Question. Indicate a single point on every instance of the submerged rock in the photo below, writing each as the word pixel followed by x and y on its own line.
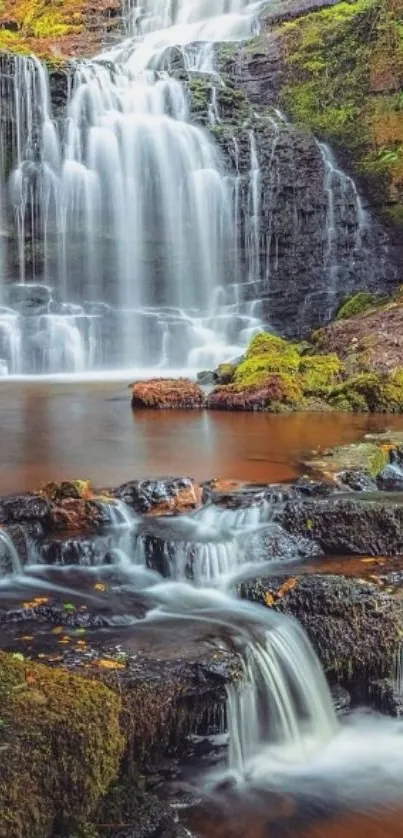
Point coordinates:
pixel 365 457
pixel 354 626
pixel 167 393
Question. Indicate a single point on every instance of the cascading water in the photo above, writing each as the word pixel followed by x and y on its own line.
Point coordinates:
pixel 133 206
pixel 337 183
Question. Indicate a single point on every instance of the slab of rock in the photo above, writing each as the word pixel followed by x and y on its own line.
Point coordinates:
pixel 365 457
pixel 354 625
pixel 356 524
pixel 167 393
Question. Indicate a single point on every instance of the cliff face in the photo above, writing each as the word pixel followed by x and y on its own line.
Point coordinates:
pixel 338 71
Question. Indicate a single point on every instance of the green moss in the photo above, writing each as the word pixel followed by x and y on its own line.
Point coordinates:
pixel 319 372
pixel 60 743
pixel 343 77
pixel 226 373
pixel 369 392
pixel 357 304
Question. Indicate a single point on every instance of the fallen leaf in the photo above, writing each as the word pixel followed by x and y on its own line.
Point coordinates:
pixel 100 587
pixel 58 630
pixel 27 637
pixel 309 524
pixel 30 678
pixel 268 599
pixel 68 606
pixel 368 561
pixel 109 664
pixel 80 631
pixel 288 586
pixel 17 656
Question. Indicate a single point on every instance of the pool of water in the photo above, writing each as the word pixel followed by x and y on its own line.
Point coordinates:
pixel 53 431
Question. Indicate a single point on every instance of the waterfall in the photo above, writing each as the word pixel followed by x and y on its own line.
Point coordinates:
pixel 133 207
pixel 339 186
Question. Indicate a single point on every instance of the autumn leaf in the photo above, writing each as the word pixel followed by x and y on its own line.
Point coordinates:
pixel 288 586
pixel 30 678
pixel 80 631
pixel 17 656
pixel 68 606
pixel 58 630
pixel 268 599
pixel 368 561
pixel 309 524
pixel 27 637
pixel 100 587
pixel 103 663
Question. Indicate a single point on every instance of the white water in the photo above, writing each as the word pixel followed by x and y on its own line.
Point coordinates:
pixel 337 183
pixel 134 207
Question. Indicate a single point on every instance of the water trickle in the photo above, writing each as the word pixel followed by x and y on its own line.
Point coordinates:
pixel 10 561
pixel 339 187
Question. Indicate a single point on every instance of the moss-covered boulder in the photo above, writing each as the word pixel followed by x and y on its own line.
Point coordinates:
pixel 60 743
pixel 277 375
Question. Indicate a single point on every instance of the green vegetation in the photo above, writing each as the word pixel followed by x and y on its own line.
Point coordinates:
pixel 60 743
pixel 357 304
pixel 343 79
pixel 278 376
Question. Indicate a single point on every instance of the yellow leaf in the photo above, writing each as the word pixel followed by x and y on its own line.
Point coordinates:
pixel 27 637
pixel 309 524
pixel 58 630
pixel 268 599
pixel 288 586
pixel 110 664
pixel 99 587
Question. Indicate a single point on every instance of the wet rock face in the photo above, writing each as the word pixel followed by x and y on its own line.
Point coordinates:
pixel 160 497
pixel 353 625
pixel 166 393
pixel 343 525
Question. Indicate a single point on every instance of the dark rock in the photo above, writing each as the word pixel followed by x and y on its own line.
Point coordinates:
pixel 275 543
pixel 160 496
pixel 364 524
pixel 358 481
pixel 354 626
pixel 386 696
pixel 29 298
pixel 16 509
pixel 206 377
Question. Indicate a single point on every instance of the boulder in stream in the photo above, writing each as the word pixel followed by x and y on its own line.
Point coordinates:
pixel 167 393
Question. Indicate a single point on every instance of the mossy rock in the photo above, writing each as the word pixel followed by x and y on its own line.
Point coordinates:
pixel 319 372
pixel 61 746
pixel 357 304
pixel 343 75
pixel 369 392
pixel 365 457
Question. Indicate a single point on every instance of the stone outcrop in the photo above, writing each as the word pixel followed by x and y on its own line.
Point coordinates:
pixel 354 626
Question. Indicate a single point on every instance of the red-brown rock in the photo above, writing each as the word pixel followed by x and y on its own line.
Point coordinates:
pixel 168 393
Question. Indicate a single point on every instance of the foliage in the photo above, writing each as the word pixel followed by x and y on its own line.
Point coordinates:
pixel 357 304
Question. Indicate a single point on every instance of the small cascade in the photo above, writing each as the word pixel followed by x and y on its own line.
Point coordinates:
pixel 344 212
pixel 283 702
pixel 10 562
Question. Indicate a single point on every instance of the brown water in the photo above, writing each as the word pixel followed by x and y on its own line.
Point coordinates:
pixel 61 431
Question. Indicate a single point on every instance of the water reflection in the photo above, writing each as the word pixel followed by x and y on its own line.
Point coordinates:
pixel 56 431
